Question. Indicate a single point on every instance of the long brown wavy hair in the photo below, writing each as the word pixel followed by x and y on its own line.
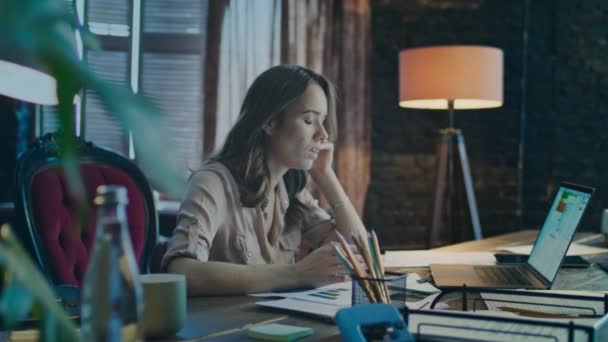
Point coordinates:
pixel 245 151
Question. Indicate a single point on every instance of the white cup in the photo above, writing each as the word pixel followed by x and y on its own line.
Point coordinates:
pixel 165 308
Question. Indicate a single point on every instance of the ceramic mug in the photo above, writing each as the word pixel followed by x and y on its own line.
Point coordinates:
pixel 165 308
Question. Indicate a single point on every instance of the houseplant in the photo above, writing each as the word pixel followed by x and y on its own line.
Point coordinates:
pixel 42 32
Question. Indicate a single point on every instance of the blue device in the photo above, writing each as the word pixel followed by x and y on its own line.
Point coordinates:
pixel 352 322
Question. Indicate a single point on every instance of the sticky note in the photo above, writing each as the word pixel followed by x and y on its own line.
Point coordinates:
pixel 279 332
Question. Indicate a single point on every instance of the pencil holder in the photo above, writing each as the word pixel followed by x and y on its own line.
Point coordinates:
pixel 373 290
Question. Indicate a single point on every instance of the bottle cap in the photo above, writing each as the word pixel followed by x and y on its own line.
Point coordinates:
pixel 111 194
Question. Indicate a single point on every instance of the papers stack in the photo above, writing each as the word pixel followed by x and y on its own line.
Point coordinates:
pixel 327 300
pixel 425 258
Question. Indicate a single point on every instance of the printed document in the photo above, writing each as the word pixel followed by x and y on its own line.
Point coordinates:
pixel 328 299
pixel 425 258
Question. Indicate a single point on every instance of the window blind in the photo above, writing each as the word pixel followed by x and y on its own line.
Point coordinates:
pixel 175 16
pixel 170 70
pixel 174 82
pixel 109 17
pixel 99 126
pixel 49 119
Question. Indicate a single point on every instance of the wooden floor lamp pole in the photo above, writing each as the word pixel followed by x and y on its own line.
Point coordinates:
pixel 451 150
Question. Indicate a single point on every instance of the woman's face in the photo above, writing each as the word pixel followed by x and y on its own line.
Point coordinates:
pixel 294 143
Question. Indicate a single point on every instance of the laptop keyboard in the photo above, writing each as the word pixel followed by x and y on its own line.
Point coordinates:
pixel 501 275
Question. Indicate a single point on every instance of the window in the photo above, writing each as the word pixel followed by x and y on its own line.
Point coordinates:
pixel 156 47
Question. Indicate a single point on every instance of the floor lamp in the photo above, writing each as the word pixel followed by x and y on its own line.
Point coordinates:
pixel 451 77
pixel 27 84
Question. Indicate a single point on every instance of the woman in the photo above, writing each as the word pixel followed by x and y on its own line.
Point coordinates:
pixel 246 212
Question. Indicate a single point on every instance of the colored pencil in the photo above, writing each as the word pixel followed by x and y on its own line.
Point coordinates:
pixel 378 256
pixel 342 257
pixel 377 283
pixel 359 274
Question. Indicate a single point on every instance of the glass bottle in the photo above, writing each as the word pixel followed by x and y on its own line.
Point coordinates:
pixel 112 306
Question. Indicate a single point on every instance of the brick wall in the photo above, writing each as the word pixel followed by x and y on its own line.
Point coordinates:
pixel 567 118
pixel 563 118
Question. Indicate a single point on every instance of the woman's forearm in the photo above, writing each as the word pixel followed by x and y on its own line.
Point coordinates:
pixel 347 220
pixel 222 278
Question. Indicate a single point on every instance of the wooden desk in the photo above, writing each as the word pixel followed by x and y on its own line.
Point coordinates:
pixel 207 315
pixel 516 238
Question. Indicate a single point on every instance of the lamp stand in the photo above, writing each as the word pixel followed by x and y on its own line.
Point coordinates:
pixel 451 152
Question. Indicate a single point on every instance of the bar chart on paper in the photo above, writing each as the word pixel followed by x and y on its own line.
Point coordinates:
pixel 338 294
pixel 332 295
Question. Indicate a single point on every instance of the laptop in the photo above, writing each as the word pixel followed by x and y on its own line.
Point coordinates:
pixel 549 250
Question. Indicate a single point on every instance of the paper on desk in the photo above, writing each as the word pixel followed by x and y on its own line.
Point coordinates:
pixel 422 258
pixel 413 285
pixel 340 294
pixel 458 327
pixel 426 304
pixel 291 304
pixel 546 304
pixel 329 310
pixel 575 249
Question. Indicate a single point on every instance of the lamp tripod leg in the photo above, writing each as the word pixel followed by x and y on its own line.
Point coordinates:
pixel 445 185
pixel 468 186
pixel 441 153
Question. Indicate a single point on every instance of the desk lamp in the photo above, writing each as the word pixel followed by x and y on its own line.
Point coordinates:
pixel 451 77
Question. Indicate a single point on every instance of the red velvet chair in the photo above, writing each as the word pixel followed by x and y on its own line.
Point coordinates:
pixel 48 221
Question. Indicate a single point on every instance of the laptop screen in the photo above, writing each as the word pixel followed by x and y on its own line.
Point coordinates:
pixel 556 234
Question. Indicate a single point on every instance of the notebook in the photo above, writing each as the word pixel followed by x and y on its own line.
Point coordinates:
pixel 550 247
pixel 279 332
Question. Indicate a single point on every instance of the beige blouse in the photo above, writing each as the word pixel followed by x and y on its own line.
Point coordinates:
pixel 213 225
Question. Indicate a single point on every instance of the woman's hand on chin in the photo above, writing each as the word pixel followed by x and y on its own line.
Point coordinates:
pixel 323 164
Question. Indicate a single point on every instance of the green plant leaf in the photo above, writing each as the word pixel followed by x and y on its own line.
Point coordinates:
pixel 42 33
pixel 18 264
pixel 14 299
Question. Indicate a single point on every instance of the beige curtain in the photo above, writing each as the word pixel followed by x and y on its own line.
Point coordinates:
pixel 332 37
pixel 249 44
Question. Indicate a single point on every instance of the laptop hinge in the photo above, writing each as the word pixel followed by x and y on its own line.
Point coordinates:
pixel 538 275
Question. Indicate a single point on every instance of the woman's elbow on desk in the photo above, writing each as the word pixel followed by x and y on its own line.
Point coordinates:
pixel 207 278
pixel 222 278
pixel 185 266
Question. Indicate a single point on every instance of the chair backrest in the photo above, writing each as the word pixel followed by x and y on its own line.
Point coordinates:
pixel 49 223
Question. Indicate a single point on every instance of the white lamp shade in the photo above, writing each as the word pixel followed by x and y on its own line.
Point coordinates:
pixel 471 76
pixel 27 84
